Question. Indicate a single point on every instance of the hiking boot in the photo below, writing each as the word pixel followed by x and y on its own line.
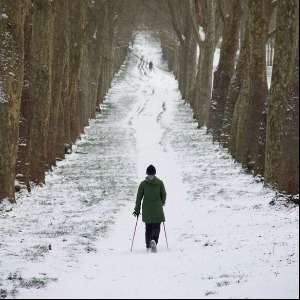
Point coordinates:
pixel 153 246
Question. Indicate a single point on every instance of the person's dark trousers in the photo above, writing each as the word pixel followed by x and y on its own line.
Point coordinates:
pixel 152 233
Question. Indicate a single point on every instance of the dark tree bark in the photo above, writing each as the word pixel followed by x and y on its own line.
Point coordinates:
pixel 289 172
pixel 286 46
pixel 77 23
pixel 205 66
pixel 42 33
pixel 225 69
pixel 12 17
pixel 229 139
pixel 249 116
pixel 25 122
pixel 183 48
pixel 55 149
pixel 286 40
pixel 60 90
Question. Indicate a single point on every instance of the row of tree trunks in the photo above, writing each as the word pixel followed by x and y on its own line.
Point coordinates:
pixel 193 74
pixel 176 21
pixel 60 58
pixel 191 68
pixel 169 50
pixel 260 127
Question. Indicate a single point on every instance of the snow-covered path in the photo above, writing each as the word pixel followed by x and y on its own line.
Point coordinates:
pixel 225 240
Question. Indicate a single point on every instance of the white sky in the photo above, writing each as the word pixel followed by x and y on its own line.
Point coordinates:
pixel 225 240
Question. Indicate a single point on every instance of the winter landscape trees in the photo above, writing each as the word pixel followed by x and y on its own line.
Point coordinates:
pixel 237 107
pixel 57 60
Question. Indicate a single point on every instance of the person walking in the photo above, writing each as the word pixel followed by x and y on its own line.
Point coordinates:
pixel 151 196
pixel 150 65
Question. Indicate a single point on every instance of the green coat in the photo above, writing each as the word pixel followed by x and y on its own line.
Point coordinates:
pixel 153 194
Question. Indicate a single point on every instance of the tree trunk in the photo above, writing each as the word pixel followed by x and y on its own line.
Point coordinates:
pixel 59 63
pixel 76 50
pixel 25 122
pixel 183 48
pixel 191 68
pixel 42 40
pixel 248 133
pixel 259 86
pixel 12 17
pixel 225 69
pixel 289 173
pixel 205 68
pixel 229 124
pixel 286 42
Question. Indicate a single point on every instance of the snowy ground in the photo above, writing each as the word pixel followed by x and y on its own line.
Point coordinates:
pixel 72 238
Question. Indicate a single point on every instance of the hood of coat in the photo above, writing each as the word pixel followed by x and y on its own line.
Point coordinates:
pixel 152 180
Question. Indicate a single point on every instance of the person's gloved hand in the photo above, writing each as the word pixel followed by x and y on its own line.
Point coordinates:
pixel 136 214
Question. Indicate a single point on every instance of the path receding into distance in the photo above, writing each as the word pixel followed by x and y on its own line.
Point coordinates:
pixel 225 240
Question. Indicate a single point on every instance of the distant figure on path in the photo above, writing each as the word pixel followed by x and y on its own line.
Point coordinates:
pixel 150 65
pixel 152 194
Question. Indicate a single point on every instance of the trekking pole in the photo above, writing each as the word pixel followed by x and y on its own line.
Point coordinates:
pixel 134 232
pixel 166 236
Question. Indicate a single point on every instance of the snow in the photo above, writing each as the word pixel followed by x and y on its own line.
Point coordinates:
pixel 269 75
pixel 2 95
pixel 202 33
pixel 3 16
pixel 225 240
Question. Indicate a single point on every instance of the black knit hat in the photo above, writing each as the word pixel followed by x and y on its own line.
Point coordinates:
pixel 151 170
